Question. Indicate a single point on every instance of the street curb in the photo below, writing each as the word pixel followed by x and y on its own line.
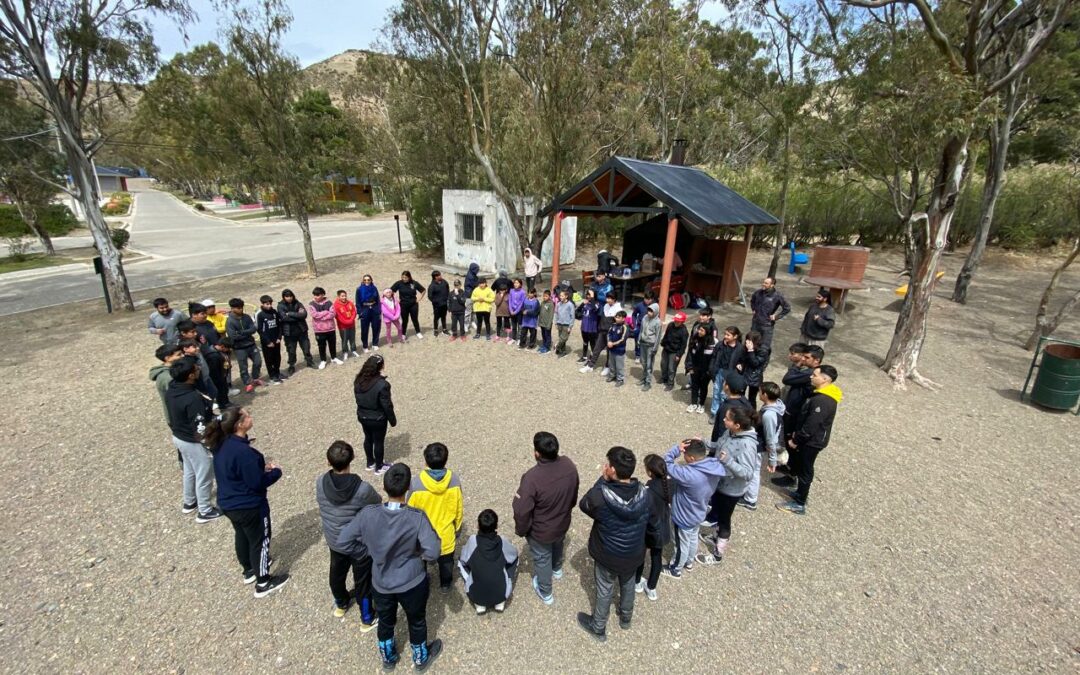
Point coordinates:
pixel 43 271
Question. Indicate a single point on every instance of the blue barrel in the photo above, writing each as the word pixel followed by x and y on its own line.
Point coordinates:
pixel 1057 385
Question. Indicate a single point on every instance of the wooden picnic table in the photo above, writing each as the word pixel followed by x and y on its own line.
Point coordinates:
pixel 625 281
pixel 834 284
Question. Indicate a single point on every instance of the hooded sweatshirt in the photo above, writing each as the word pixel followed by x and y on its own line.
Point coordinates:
pixel 695 484
pixel 564 313
pixel 623 515
pixel 242 330
pixel 373 402
pixel 532 264
pixel 437 492
pixel 771 431
pixel 516 300
pixel 502 283
pixel 482 297
pixel 322 316
pixel 817 322
pixel 485 563
pixel 675 338
pixel 649 334
pixel 457 301
pixel 241 475
pixel 438 292
pixel 740 463
pixel 340 497
pixel 161 378
pixel 344 313
pixel 546 317
pixel 471 279
pixel 293 317
pixel 530 310
pixel 816 420
pixel 188 411
pixel 391 311
pixel 398 538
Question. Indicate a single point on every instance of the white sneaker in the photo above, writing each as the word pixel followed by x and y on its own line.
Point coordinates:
pixel 605 372
pixel 375 347
pixel 355 355
pixel 691 408
pixel 338 361
pixel 368 351
pixel 650 593
pixel 639 587
pixel 344 356
pixel 322 364
pixel 700 409
pixel 500 607
pixel 420 336
pixel 585 369
pixel 480 609
pixel 234 392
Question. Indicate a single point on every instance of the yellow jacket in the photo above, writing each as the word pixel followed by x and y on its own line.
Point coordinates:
pixel 441 500
pixel 218 319
pixel 482 299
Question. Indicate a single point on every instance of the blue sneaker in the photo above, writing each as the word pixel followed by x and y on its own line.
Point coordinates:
pixel 556 574
pixel 542 350
pixel 546 599
pixel 793 507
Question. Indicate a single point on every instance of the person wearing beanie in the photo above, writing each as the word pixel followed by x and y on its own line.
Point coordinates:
pixel 438 293
pixel 819 320
pixel 674 344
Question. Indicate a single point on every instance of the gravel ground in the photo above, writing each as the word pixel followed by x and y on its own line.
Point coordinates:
pixel 932 542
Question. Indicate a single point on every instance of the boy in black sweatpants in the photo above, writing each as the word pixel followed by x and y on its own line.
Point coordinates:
pixel 268 323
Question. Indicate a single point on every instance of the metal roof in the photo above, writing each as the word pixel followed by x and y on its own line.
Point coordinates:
pixel 623 185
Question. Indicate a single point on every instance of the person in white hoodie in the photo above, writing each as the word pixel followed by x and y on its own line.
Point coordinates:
pixel 770 439
pixel 533 265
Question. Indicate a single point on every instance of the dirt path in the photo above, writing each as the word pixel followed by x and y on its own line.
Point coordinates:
pixel 942 533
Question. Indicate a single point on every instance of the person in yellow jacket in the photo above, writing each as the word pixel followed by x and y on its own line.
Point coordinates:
pixel 437 492
pixel 214 317
pixel 482 298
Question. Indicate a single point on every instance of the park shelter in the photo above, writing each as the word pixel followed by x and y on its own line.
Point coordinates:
pixel 683 209
pixel 477 228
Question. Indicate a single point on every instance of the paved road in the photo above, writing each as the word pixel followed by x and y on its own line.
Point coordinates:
pixel 187 246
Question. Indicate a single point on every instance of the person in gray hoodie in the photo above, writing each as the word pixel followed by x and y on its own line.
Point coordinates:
pixel 695 482
pixel 649 341
pixel 770 439
pixel 399 540
pixel 737 451
pixel 161 377
pixel 341 495
pixel 564 321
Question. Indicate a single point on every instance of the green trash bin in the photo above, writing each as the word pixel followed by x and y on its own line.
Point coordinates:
pixel 1057 385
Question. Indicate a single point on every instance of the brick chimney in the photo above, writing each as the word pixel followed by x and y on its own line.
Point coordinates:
pixel 678 151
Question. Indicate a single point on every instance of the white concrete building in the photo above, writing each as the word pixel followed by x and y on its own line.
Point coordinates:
pixel 477 228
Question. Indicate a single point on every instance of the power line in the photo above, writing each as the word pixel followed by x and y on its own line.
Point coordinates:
pixel 30 135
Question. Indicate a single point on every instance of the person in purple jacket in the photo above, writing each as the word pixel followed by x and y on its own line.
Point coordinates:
pixel 589 313
pixel 695 482
pixel 324 322
pixel 530 313
pixel 517 306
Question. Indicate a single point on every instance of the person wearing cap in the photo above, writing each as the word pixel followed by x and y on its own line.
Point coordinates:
pixel 674 344
pixel 438 293
pixel 819 320
pixel 218 320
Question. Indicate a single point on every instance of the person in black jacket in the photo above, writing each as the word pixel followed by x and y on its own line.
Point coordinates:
pixel 459 303
pixel 797 387
pixel 728 352
pixel 409 293
pixel 241 328
pixel 624 515
pixel 769 306
pixel 294 329
pixel 341 495
pixel 438 293
pixel 674 345
pixel 189 413
pixel 268 325
pixel 812 436
pixel 752 362
pixel 661 490
pixel 374 410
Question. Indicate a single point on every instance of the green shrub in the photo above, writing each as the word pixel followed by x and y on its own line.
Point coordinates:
pixel 367 210
pixel 17 248
pixel 199 207
pixel 119 238
pixel 425 223
pixel 56 219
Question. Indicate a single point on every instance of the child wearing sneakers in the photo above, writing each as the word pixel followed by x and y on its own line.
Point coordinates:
pixel 530 313
pixel 770 439
pixel 616 346
pixel 695 482
pixel 391 314
pixel 737 451
pixel 458 328
pixel 345 317
pixel 399 540
pixel 660 491
pixel 324 322
pixel 545 320
pixel 341 495
pixel 564 319
pixel 488 564
pixel 697 367
pixel 482 298
pixel 437 492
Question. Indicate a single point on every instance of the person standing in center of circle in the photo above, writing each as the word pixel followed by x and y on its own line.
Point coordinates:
pixel 409 293
pixel 374 410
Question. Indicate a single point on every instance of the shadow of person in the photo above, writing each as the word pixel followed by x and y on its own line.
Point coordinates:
pixel 396 448
pixel 582 563
pixel 293 537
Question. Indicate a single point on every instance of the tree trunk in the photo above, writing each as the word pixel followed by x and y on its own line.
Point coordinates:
pixel 1045 325
pixel 778 243
pixel 305 228
pixel 901 363
pixel 29 216
pixel 1000 135
pixel 536 242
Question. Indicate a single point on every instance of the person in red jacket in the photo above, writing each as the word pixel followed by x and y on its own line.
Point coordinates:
pixel 345 315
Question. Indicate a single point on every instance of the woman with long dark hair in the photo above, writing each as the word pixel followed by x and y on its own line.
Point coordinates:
pixel 367 305
pixel 374 410
pixel 243 476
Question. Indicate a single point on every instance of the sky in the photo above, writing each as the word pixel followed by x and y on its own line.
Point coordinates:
pixel 320 28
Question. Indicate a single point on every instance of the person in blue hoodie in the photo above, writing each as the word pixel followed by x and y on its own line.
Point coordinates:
pixel 695 482
pixel 472 280
pixel 370 311
pixel 530 313
pixel 243 476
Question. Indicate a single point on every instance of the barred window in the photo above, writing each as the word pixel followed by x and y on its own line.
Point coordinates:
pixel 471 226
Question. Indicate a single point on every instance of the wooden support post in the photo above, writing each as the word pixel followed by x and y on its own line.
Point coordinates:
pixel 669 263
pixel 556 244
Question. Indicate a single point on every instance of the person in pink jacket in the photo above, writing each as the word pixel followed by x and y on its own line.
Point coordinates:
pixel 324 321
pixel 391 314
